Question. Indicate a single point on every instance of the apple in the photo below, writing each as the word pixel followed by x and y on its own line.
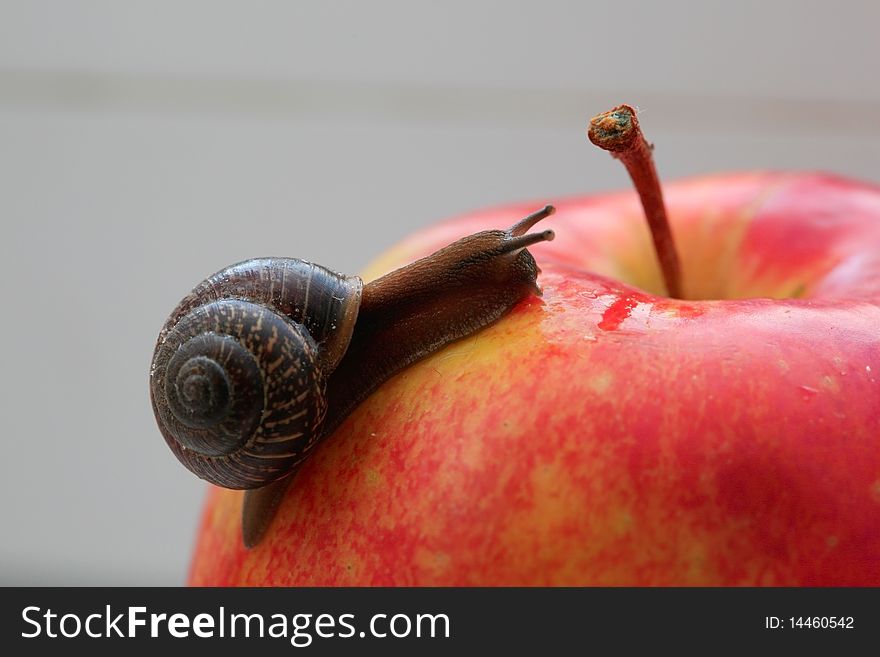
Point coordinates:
pixel 607 434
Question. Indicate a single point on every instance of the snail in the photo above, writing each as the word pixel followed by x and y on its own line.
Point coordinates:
pixel 265 358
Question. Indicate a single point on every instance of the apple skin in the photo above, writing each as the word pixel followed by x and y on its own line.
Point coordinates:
pixel 605 435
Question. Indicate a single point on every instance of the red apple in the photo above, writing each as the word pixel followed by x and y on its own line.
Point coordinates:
pixel 604 434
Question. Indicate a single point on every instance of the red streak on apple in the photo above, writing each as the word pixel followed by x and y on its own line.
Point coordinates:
pixel 617 312
pixel 602 434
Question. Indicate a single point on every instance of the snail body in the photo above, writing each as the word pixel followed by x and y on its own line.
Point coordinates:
pixel 265 358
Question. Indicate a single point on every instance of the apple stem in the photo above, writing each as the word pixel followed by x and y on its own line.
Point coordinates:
pixel 618 132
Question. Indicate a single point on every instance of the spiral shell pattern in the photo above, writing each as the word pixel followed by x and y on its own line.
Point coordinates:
pixel 239 373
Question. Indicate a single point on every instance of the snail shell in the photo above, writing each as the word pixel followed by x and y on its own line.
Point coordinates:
pixel 239 373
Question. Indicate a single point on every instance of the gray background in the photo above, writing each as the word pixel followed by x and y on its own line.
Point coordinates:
pixel 144 145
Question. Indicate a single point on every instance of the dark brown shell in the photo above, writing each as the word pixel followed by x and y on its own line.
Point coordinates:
pixel 239 372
